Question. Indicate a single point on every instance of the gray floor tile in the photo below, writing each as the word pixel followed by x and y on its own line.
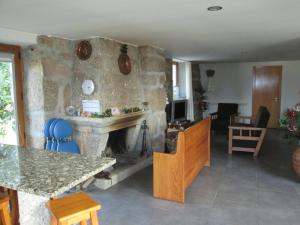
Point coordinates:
pixel 235 190
pixel 233 216
pixel 240 198
pixel 277 200
pixel 271 216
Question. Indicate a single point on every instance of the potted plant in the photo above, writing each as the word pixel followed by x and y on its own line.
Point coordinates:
pixel 291 121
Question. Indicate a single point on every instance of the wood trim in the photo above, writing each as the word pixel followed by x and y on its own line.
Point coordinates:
pixel 258 146
pixel 243 149
pixel 14 205
pixel 248 138
pixel 245 128
pixel 16 51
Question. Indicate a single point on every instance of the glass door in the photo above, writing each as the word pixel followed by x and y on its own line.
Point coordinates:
pixel 12 121
pixel 8 115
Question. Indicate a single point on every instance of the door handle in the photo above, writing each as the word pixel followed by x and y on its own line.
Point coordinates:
pixel 276 99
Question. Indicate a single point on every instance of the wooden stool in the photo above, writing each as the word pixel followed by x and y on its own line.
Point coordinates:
pixel 4 210
pixel 78 207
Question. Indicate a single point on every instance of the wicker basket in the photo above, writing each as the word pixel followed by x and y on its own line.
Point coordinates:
pixel 296 161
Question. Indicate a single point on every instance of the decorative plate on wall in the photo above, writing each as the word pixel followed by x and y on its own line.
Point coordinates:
pixel 88 87
pixel 84 50
pixel 124 61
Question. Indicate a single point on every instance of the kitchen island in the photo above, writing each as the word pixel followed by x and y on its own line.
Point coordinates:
pixel 39 175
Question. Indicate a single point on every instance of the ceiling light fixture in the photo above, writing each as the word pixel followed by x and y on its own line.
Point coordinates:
pixel 215 8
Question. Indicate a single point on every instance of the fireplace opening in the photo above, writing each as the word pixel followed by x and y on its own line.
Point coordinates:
pixel 129 145
pixel 118 147
pixel 116 143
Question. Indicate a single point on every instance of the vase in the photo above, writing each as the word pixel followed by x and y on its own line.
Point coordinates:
pixel 296 161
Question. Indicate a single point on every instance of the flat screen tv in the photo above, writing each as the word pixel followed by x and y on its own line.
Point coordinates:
pixel 179 110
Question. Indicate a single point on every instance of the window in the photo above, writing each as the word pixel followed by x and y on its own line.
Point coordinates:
pixel 175 74
pixel 12 116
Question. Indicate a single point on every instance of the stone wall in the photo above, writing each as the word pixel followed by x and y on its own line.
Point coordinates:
pixel 112 88
pixel 47 83
pixel 197 91
pixel 153 77
pixel 169 79
pixel 54 74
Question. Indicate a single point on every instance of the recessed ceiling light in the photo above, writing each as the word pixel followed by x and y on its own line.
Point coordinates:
pixel 215 8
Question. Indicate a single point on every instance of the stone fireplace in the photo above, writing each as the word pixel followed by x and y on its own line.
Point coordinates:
pixel 114 137
pixel 92 134
pixel 53 75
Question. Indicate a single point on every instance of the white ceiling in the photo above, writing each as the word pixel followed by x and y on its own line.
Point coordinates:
pixel 245 30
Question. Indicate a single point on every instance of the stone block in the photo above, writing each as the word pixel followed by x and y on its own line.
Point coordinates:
pixel 149 80
pixel 67 95
pixel 146 51
pixel 35 141
pixel 50 95
pixel 153 64
pixel 55 67
pixel 105 46
pixel 162 79
pixel 35 123
pixel 46 41
pixel 156 99
pixel 33 93
pixel 35 213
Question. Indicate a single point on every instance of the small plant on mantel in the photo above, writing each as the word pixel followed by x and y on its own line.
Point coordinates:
pixel 108 113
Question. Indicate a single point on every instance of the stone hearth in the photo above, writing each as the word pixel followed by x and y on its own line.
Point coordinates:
pixel 92 135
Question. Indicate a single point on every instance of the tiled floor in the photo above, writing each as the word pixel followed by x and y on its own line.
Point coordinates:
pixel 237 190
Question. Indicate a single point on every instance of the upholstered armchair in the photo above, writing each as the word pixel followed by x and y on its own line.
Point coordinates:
pixel 221 118
pixel 248 137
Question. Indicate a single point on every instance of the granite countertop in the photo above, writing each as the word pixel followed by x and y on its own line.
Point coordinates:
pixel 46 173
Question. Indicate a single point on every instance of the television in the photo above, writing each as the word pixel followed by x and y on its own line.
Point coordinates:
pixel 179 110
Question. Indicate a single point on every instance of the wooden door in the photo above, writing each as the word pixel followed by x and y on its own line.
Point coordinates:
pixel 267 91
pixel 18 78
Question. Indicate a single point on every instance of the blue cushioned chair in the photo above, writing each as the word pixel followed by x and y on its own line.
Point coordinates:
pixel 63 133
pixel 48 142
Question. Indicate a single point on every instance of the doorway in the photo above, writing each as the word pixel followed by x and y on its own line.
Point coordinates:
pixel 267 91
pixel 12 120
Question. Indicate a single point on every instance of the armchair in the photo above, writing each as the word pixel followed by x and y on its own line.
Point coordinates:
pixel 221 119
pixel 248 137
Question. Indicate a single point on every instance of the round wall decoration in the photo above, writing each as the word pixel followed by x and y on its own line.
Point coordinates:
pixel 88 87
pixel 84 50
pixel 124 61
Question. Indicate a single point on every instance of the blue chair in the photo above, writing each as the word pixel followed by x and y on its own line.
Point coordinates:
pixel 51 134
pixel 63 133
pixel 49 139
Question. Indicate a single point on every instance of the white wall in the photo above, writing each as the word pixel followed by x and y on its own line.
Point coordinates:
pixel 232 82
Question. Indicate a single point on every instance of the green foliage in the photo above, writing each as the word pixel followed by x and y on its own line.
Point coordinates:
pixel 108 113
pixel 123 49
pixel 298 120
pixel 6 104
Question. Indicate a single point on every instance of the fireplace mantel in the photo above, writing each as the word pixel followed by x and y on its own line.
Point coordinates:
pixel 92 133
pixel 106 125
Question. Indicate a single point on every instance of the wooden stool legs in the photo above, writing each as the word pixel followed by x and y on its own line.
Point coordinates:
pixel 4 210
pixel 94 218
